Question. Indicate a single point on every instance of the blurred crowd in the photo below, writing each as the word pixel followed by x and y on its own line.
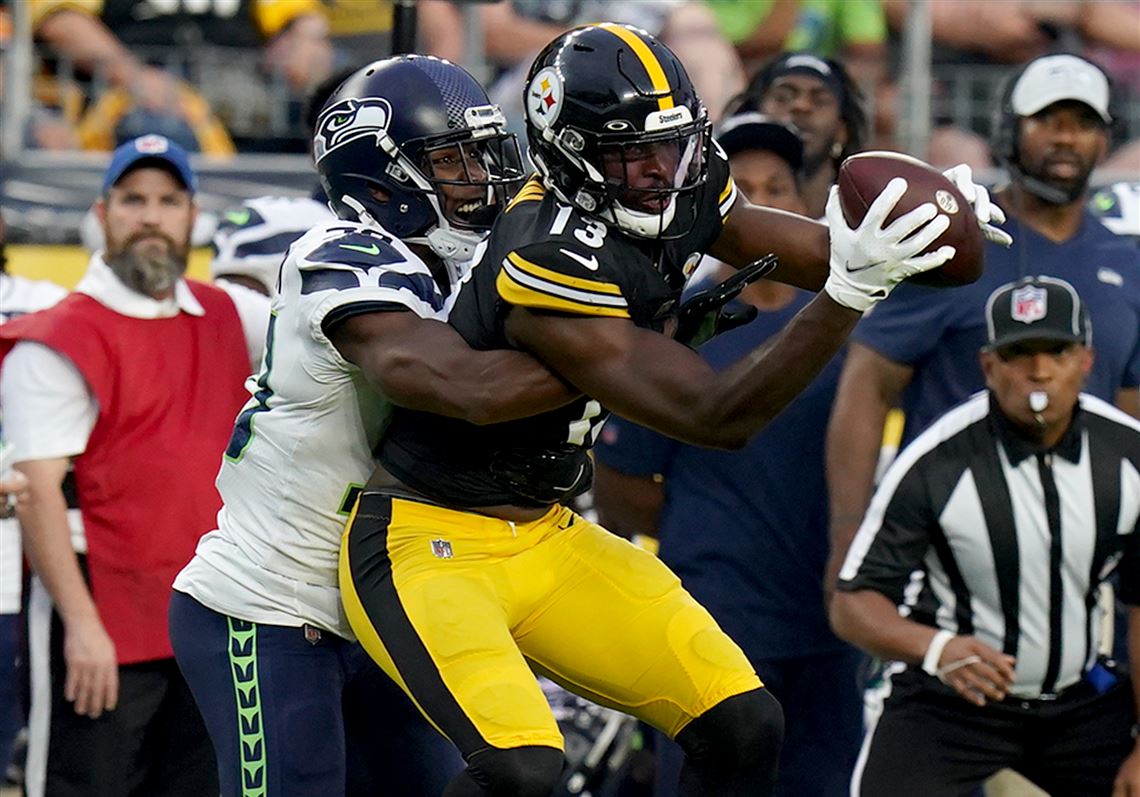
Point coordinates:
pixel 108 70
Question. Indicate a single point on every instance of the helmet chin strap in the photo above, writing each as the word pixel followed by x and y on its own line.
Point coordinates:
pixel 644 225
pixel 454 247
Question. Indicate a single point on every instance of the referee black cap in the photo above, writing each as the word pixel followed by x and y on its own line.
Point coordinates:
pixel 1037 308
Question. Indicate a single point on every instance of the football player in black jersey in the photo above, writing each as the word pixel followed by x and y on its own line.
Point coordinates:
pixel 461 569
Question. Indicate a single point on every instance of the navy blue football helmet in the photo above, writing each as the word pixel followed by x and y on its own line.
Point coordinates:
pixel 413 144
pixel 604 100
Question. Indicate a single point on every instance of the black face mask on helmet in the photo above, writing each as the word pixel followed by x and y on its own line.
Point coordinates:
pixel 616 130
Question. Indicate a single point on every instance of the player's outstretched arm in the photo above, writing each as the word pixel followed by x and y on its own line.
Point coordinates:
pixel 426 365
pixel 654 381
pixel 657 382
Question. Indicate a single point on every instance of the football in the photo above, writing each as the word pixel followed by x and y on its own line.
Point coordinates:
pixel 862 177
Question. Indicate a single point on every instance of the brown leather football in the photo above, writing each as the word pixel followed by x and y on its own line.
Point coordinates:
pixel 862 177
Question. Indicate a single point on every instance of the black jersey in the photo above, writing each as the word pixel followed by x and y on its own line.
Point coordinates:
pixel 545 256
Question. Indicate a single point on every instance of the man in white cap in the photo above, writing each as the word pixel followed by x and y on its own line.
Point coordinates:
pixel 918 350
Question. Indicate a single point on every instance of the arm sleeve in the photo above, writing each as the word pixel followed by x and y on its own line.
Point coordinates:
pixel 893 538
pixel 47 410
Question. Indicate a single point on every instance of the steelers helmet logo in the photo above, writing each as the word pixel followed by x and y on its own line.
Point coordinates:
pixel 544 98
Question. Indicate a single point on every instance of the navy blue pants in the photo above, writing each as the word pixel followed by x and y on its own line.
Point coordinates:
pixel 12 714
pixel 299 712
pixel 823 725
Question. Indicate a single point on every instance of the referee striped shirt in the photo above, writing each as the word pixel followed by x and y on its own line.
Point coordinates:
pixel 974 531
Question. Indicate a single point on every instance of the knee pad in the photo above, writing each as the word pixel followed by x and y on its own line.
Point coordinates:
pixel 748 727
pixel 516 772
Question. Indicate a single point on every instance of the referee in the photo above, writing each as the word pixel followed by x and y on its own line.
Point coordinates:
pixel 993 531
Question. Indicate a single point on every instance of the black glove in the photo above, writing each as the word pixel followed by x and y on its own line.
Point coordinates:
pixel 704 314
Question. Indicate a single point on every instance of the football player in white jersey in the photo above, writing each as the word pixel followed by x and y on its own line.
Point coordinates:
pixel 415 161
pixel 252 239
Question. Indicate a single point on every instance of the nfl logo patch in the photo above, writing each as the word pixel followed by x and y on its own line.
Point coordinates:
pixel 441 549
pixel 1028 304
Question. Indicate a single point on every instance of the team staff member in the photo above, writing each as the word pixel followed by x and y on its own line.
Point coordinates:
pixel 919 348
pixel 581 271
pixel 766 503
pixel 1015 506
pixel 136 377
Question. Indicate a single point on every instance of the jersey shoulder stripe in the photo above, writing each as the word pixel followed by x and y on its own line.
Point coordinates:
pixel 532 191
pixel 527 284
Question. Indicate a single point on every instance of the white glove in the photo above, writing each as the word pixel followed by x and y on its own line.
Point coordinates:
pixel 866 263
pixel 988 214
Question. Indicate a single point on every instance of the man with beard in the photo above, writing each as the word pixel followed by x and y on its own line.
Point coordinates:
pixel 1050 132
pixel 135 378
pixel 820 99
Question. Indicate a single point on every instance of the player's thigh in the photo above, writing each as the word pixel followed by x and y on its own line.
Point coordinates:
pixel 621 630
pixel 270 699
pixel 439 626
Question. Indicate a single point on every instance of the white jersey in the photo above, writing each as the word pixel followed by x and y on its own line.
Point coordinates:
pixel 302 446
pixel 18 296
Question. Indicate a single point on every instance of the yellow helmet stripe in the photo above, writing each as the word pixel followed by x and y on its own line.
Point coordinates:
pixel 648 60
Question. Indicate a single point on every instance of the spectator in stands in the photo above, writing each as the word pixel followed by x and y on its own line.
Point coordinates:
pixel 980 32
pixel 766 503
pixel 136 378
pixel 1014 508
pixel 818 97
pixel 362 32
pixel 1051 129
pixel 18 296
pixel 113 41
pixel 514 32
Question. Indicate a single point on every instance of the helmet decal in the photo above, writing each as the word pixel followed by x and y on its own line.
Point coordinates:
pixel 544 98
pixel 349 120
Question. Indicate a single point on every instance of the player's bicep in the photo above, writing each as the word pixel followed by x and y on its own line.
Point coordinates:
pixel 394 348
pixel 750 232
pixel 637 373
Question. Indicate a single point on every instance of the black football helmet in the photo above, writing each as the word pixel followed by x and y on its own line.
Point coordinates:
pixel 616 130
pixel 399 135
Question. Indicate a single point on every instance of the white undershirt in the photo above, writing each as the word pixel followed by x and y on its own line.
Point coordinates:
pixel 49 411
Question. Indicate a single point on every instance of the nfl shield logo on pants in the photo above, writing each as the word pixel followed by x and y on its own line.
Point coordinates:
pixel 441 549
pixel 1029 304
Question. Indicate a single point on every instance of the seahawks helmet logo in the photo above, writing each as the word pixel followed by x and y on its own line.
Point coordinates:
pixel 349 120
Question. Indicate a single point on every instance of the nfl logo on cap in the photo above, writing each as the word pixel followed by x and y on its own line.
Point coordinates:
pixel 1028 304
pixel 152 144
